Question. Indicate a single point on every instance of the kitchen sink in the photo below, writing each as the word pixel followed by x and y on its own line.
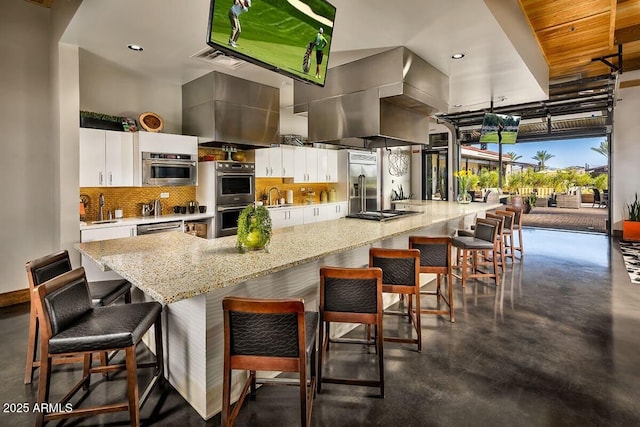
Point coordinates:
pixel 385 215
pixel 105 221
pixel 284 205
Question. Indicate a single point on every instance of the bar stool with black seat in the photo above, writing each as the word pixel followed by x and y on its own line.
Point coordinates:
pixel 435 258
pixel 71 326
pixel 507 233
pixel 517 225
pixel 268 335
pixel 485 239
pixel 47 267
pixel 401 275
pixel 351 295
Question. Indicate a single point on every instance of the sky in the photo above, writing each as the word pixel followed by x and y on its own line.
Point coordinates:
pixel 567 152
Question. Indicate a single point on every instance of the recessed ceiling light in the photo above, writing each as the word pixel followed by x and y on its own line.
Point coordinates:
pixel 457 55
pixel 135 47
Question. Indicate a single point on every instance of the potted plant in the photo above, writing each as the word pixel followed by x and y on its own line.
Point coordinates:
pixel 89 119
pixel 254 228
pixel 631 226
pixel 529 202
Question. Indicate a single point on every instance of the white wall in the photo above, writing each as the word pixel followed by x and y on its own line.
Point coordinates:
pixel 108 88
pixel 625 174
pixel 27 172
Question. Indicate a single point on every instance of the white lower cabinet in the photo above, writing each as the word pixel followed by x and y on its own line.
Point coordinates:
pixel 316 213
pixel 337 210
pixel 285 217
pixel 94 274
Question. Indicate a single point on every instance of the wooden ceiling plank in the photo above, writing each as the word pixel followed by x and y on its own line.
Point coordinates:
pixel 612 22
pixel 545 14
pixel 627 14
pixel 627 34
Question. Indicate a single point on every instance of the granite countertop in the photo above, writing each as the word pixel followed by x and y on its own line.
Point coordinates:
pixel 89 225
pixel 170 267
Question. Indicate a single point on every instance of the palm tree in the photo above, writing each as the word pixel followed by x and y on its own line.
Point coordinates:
pixel 542 157
pixel 514 156
pixel 603 149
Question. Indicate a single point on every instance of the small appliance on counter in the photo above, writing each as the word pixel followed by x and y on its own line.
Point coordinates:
pixel 289 197
pixel 152 208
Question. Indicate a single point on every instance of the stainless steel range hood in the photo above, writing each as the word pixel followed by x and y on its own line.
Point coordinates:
pixel 381 100
pixel 222 109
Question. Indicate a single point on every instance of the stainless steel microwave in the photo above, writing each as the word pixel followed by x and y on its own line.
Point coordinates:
pixel 166 169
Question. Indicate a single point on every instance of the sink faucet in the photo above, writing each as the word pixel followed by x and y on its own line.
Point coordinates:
pixel 101 207
pixel 278 191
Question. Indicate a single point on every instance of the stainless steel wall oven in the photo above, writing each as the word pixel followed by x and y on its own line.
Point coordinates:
pixel 228 187
pixel 164 169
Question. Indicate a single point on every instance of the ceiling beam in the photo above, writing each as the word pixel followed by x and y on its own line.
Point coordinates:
pixel 628 34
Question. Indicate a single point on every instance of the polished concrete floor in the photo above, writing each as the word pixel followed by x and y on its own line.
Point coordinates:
pixel 555 345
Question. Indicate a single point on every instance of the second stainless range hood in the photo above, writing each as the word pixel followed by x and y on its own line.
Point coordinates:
pixel 222 109
pixel 381 100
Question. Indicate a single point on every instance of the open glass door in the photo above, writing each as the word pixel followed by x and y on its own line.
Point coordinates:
pixel 434 174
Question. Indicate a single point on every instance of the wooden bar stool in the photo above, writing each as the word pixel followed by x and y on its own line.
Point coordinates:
pixel 501 243
pixel 517 225
pixel 485 239
pixel 435 258
pixel 351 295
pixel 47 267
pixel 268 335
pixel 507 233
pixel 401 275
pixel 71 326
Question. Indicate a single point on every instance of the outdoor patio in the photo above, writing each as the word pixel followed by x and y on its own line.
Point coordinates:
pixel 586 218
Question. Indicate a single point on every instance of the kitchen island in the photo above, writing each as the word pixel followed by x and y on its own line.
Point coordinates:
pixel 191 276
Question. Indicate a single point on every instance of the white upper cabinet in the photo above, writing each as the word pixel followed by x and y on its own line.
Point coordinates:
pixel 264 162
pixel 106 158
pixel 306 165
pixel 327 165
pixel 154 142
pixel 288 161
pixel 274 162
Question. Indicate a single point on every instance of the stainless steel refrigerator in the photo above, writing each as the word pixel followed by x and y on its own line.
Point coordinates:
pixel 363 182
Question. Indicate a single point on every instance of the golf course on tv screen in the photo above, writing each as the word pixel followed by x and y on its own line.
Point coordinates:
pixel 496 126
pixel 276 34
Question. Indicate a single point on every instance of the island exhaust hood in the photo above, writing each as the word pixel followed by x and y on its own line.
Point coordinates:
pixel 381 100
pixel 223 109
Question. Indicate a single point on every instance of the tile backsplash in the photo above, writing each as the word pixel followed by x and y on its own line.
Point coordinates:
pixel 129 199
pixel 299 196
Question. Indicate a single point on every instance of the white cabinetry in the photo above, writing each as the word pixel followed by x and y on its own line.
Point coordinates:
pixel 154 142
pixel 316 213
pixel 92 270
pixel 306 165
pixel 327 165
pixel 337 210
pixel 274 162
pixel 286 217
pixel 106 158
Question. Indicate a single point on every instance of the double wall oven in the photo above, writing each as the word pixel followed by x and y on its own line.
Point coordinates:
pixel 233 185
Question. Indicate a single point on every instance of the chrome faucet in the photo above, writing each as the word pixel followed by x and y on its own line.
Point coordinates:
pixel 279 195
pixel 101 207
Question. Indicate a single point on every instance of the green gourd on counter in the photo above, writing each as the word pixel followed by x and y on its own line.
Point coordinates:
pixel 254 228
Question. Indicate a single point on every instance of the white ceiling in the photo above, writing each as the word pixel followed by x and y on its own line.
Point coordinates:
pixel 503 61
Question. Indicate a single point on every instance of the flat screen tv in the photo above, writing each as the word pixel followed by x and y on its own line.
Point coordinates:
pixel 499 128
pixel 275 34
